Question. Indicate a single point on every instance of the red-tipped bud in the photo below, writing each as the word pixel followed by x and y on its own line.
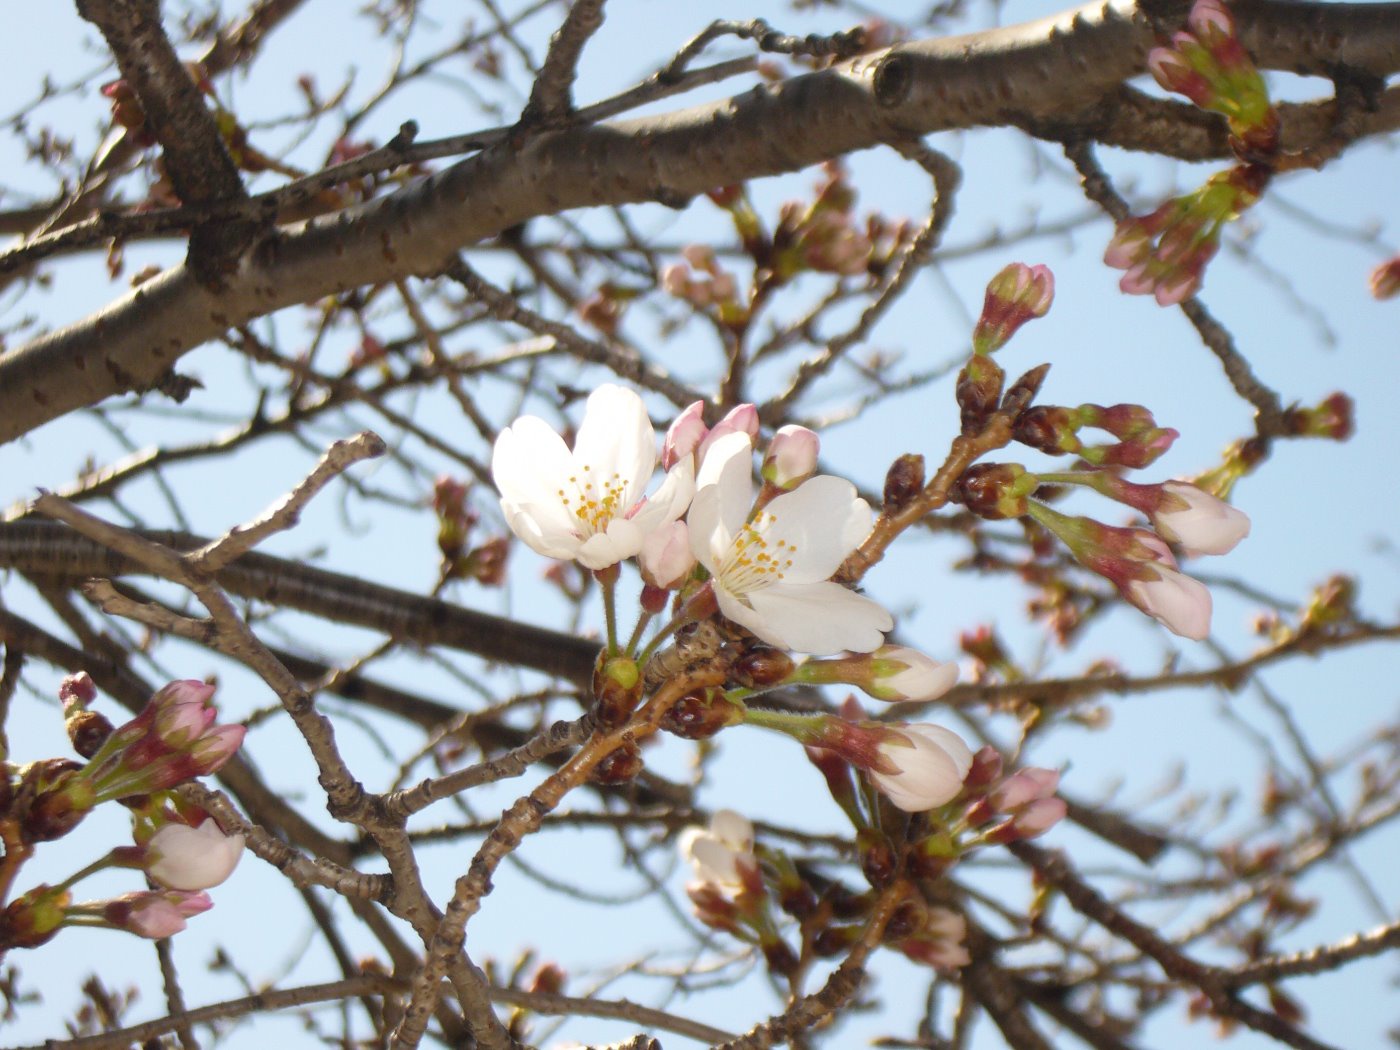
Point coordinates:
pixel 1016 295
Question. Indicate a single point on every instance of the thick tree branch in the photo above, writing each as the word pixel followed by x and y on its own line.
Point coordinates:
pixel 1034 72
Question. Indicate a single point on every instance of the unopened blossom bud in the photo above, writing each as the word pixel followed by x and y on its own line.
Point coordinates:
pixel 675 278
pixel 877 859
pixel 929 763
pixel 619 765
pixel 87 730
pixel 995 490
pixel 985 769
pixel 699 716
pixel 1023 787
pixel 937 940
pixel 1333 418
pixel 1014 296
pixel 684 435
pixel 617 687
pixel 1197 521
pixel 892 673
pixel 1385 279
pixel 180 857
pixel 1181 513
pixel 34 917
pixel 762 668
pixel 791 457
pixel 77 690
pixel 1139 564
pixel 1048 428
pixel 978 391
pixel 741 419
pixel 903 481
pixel 151 914
pixel 1039 816
pixel 666 558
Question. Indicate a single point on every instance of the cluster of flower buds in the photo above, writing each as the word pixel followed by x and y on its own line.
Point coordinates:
pixel 822 235
pixel 929 935
pixel 171 740
pixel 485 563
pixel 1165 252
pixel 1055 430
pixel 1385 279
pixel 1207 63
pixel 702 282
pixel 1021 806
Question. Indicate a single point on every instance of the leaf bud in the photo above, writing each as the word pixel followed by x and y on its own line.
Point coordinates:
pixel 903 481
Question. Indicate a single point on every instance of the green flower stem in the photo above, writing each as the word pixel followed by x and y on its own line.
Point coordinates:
pixel 805 729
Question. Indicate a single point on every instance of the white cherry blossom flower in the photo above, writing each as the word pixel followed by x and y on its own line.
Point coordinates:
pixel 773 574
pixel 721 854
pixel 588 504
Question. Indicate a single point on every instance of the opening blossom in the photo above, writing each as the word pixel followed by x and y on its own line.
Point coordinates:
pixel 588 504
pixel 772 574
pixel 180 857
pixel 930 765
pixel 722 854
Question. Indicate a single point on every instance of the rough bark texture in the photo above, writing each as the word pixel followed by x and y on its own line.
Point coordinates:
pixel 1063 73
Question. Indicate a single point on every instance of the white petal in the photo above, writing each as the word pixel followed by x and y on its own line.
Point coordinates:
pixel 621 540
pixel 728 466
pixel 552 544
pixel 930 773
pixel 529 464
pixel 708 538
pixel 1178 602
pixel 818 518
pixel 616 437
pixel 670 500
pixel 819 618
pixel 733 829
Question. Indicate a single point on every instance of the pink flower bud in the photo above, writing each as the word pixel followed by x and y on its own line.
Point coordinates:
pixel 1039 817
pixel 180 857
pixel 182 711
pixel 1023 787
pixel 1014 296
pixel 741 419
pixel 1385 279
pixel 1179 603
pixel 154 914
pixel 675 278
pixel 929 765
pixel 700 256
pixel 685 435
pixel 791 457
pixel 1197 521
pixel 666 558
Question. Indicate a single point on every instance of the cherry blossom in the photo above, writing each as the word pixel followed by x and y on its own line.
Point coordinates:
pixel 722 854
pixel 929 762
pixel 588 504
pixel 180 857
pixel 772 574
